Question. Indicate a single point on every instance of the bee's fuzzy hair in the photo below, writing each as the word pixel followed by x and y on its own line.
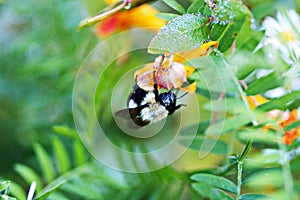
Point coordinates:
pixel 154 113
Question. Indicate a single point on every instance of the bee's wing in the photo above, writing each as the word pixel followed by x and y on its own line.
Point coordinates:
pixel 133 116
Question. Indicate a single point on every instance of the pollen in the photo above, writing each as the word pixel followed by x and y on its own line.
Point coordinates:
pixel 288 36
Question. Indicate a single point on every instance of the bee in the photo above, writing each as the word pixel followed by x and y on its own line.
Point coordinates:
pixel 147 107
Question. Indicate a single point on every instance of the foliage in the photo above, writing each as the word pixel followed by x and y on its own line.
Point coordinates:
pixel 254 130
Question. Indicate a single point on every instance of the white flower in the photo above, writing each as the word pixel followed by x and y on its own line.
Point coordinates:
pixel 283 34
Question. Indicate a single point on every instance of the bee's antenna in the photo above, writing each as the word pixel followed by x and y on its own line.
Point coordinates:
pixel 182 95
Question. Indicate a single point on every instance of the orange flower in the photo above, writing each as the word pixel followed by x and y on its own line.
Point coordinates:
pixel 290 136
pixel 142 16
pixel 284 118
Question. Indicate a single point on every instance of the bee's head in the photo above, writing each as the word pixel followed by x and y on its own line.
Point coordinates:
pixel 168 100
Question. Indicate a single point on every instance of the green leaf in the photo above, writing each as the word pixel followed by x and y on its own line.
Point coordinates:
pixel 254 197
pixel 293 125
pixel 220 147
pixel 17 191
pixel 201 126
pixel 166 16
pixel 243 63
pixel 234 122
pixel 65 131
pixel 195 6
pixel 227 105
pixel 212 75
pixel 263 8
pixel 61 155
pixel 183 33
pixel 281 102
pixel 4 187
pixel 247 41
pixel 230 17
pixel 82 191
pixel 45 162
pixel 263 179
pixel 215 181
pixel 48 190
pixel 259 136
pixel 176 6
pixel 265 83
pixel 209 192
pixel 79 153
pixel 29 175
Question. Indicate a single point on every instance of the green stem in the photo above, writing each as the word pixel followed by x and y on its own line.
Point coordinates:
pixel 287 175
pixel 240 168
pixel 239 179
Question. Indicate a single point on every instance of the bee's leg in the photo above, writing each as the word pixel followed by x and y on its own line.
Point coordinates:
pixel 179 106
pixel 155 87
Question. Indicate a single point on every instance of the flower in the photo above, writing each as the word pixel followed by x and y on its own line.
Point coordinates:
pixel 284 118
pixel 168 74
pixel 142 16
pixel 169 70
pixel 283 34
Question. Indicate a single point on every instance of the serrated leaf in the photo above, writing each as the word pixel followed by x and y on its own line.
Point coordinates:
pixel 220 147
pixel 176 6
pixel 281 102
pixel 209 192
pixel 215 181
pixel 232 15
pixel 183 33
pixel 166 16
pixel 254 197
pixel 29 175
pixel 195 6
pixel 61 155
pixel 265 83
pixel 48 190
pixel 44 162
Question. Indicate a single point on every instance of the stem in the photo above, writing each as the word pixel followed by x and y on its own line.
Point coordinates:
pixel 287 176
pixel 91 20
pixel 239 179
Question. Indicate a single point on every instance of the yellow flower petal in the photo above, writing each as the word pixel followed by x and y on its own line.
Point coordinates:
pixel 189 70
pixel 256 100
pixel 197 52
pixel 191 88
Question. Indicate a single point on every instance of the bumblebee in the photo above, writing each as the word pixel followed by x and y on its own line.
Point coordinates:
pixel 147 107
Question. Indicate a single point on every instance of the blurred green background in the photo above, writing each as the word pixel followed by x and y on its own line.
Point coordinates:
pixel 40 52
